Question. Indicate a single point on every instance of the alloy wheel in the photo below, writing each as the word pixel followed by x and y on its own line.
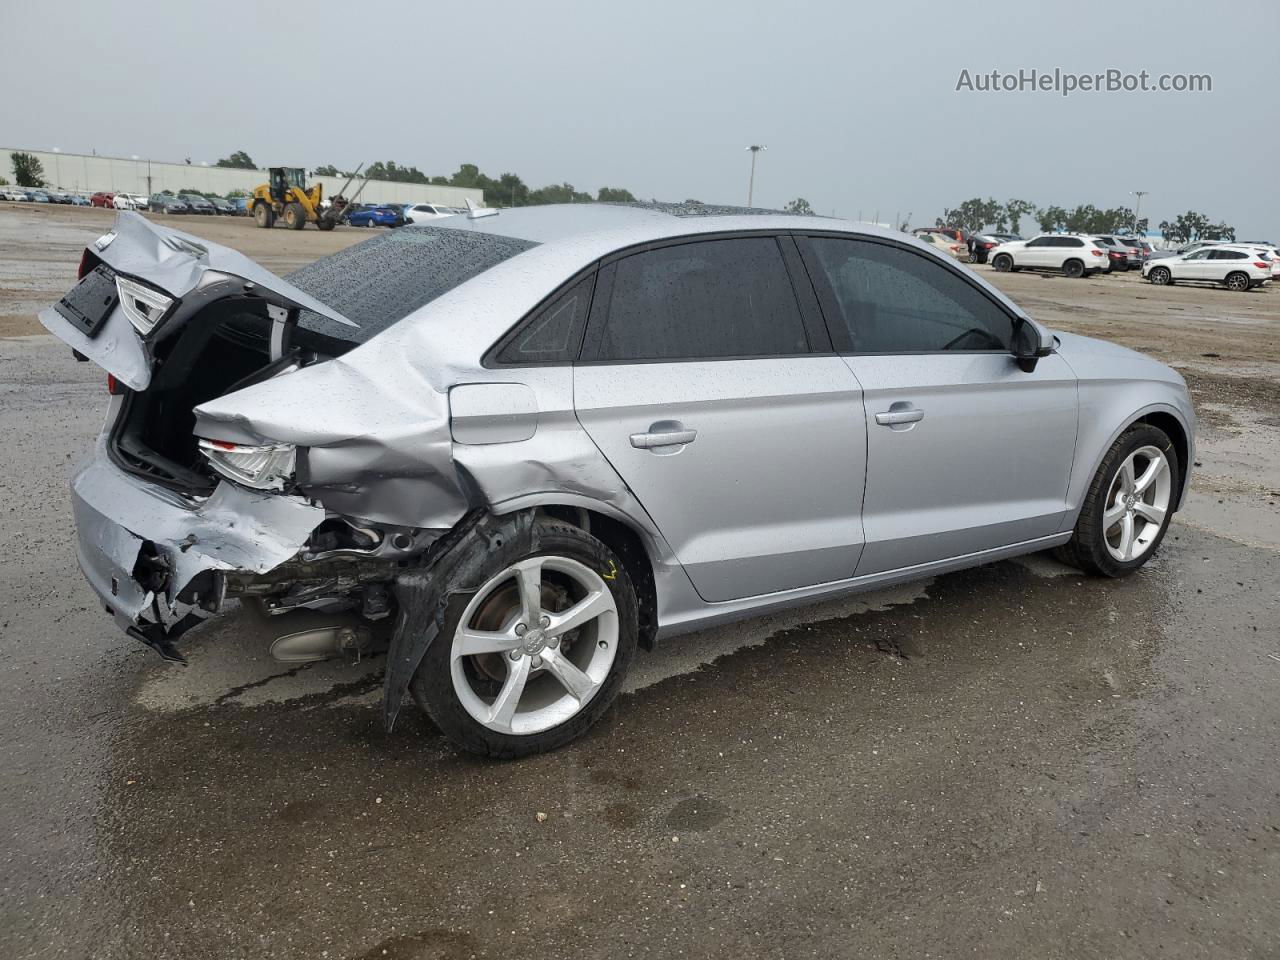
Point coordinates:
pixel 1137 503
pixel 534 645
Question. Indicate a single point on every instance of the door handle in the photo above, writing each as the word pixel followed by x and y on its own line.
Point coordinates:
pixel 664 433
pixel 891 417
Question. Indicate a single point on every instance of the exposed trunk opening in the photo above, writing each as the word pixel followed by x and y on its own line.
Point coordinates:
pixel 224 347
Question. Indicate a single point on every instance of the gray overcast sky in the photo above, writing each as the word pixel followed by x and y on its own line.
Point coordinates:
pixel 856 103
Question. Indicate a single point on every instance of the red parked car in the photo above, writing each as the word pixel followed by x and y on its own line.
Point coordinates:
pixel 103 200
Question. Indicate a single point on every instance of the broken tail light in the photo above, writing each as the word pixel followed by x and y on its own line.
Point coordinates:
pixel 265 467
pixel 143 306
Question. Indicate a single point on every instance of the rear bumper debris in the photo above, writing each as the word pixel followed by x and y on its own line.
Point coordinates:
pixel 158 560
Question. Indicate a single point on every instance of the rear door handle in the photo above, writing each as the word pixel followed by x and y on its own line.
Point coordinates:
pixel 664 433
pixel 891 417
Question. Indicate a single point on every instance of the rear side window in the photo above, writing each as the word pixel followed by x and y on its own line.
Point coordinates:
pixel 1227 255
pixel 704 300
pixel 554 333
pixel 883 299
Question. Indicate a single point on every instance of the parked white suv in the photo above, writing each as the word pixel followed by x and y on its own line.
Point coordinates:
pixel 1073 255
pixel 1236 267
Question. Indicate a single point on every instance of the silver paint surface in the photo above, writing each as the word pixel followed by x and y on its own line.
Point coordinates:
pixel 380 444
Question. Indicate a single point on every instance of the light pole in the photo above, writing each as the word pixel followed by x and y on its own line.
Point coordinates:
pixel 1137 208
pixel 751 183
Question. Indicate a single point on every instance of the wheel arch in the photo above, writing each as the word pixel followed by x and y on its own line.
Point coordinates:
pixel 1166 417
pixel 635 545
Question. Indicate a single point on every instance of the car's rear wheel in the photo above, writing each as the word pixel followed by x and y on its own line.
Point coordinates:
pixel 535 656
pixel 1238 281
pixel 1003 262
pixel 1073 269
pixel 1128 506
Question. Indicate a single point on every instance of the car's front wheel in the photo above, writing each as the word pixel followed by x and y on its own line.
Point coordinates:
pixel 1128 506
pixel 1160 276
pixel 1003 262
pixel 535 656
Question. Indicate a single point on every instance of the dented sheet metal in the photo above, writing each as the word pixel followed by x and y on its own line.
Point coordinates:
pixel 186 268
pixel 233 529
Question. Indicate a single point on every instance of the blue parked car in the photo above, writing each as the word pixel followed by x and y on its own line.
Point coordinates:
pixel 377 216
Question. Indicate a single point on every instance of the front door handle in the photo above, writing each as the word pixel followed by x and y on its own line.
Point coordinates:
pixel 664 433
pixel 897 415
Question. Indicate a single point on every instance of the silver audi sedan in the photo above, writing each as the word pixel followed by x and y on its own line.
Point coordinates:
pixel 530 441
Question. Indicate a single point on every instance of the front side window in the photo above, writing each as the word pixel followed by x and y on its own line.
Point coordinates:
pixel 1039 242
pixel 884 299
pixel 711 299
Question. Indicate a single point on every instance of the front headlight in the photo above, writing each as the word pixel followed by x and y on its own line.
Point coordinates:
pixel 267 467
pixel 143 306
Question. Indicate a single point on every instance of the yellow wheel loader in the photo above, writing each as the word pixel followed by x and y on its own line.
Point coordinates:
pixel 286 197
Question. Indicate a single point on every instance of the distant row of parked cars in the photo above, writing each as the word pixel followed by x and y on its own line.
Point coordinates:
pixel 25 195
pixel 398 214
pixel 179 203
pixel 1237 266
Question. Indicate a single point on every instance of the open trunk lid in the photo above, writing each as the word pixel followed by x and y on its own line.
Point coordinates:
pixel 184 269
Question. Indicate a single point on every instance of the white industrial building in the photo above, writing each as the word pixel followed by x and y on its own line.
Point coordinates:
pixel 85 174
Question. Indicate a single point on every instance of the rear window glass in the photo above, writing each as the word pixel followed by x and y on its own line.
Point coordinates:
pixel 380 281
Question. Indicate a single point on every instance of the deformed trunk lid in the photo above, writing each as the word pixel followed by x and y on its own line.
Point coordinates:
pixel 180 265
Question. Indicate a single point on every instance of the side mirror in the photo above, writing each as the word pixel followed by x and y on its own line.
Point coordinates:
pixel 1030 344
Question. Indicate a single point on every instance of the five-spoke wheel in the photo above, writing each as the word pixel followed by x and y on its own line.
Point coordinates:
pixel 538 651
pixel 1128 505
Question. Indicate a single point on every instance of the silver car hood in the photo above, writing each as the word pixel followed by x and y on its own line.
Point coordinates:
pixel 179 264
pixel 1110 361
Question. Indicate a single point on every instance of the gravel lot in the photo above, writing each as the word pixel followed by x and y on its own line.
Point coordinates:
pixel 1013 761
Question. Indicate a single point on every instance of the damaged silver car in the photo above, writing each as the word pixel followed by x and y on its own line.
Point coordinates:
pixel 536 440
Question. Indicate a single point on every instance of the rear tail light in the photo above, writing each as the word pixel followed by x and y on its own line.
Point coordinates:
pixel 1262 264
pixel 1096 253
pixel 266 467
pixel 143 306
pixel 113 385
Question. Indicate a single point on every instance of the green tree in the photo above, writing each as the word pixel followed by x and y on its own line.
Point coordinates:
pixel 1190 226
pixel 972 215
pixel 232 194
pixel 1014 211
pixel 1051 218
pixel 1218 231
pixel 388 170
pixel 27 169
pixel 799 205
pixel 558 193
pixel 238 160
pixel 329 170
pixel 614 195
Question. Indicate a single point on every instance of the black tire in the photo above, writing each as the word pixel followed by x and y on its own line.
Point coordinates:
pixel 324 223
pixel 1160 276
pixel 1087 548
pixel 1073 269
pixel 1238 281
pixel 432 685
pixel 1003 262
pixel 295 218
pixel 264 215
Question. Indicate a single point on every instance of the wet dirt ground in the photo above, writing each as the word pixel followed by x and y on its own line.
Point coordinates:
pixel 1014 761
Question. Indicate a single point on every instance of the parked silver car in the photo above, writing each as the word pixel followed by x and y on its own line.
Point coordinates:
pixel 541 438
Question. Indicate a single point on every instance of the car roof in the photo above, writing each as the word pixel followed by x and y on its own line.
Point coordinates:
pixel 601 228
